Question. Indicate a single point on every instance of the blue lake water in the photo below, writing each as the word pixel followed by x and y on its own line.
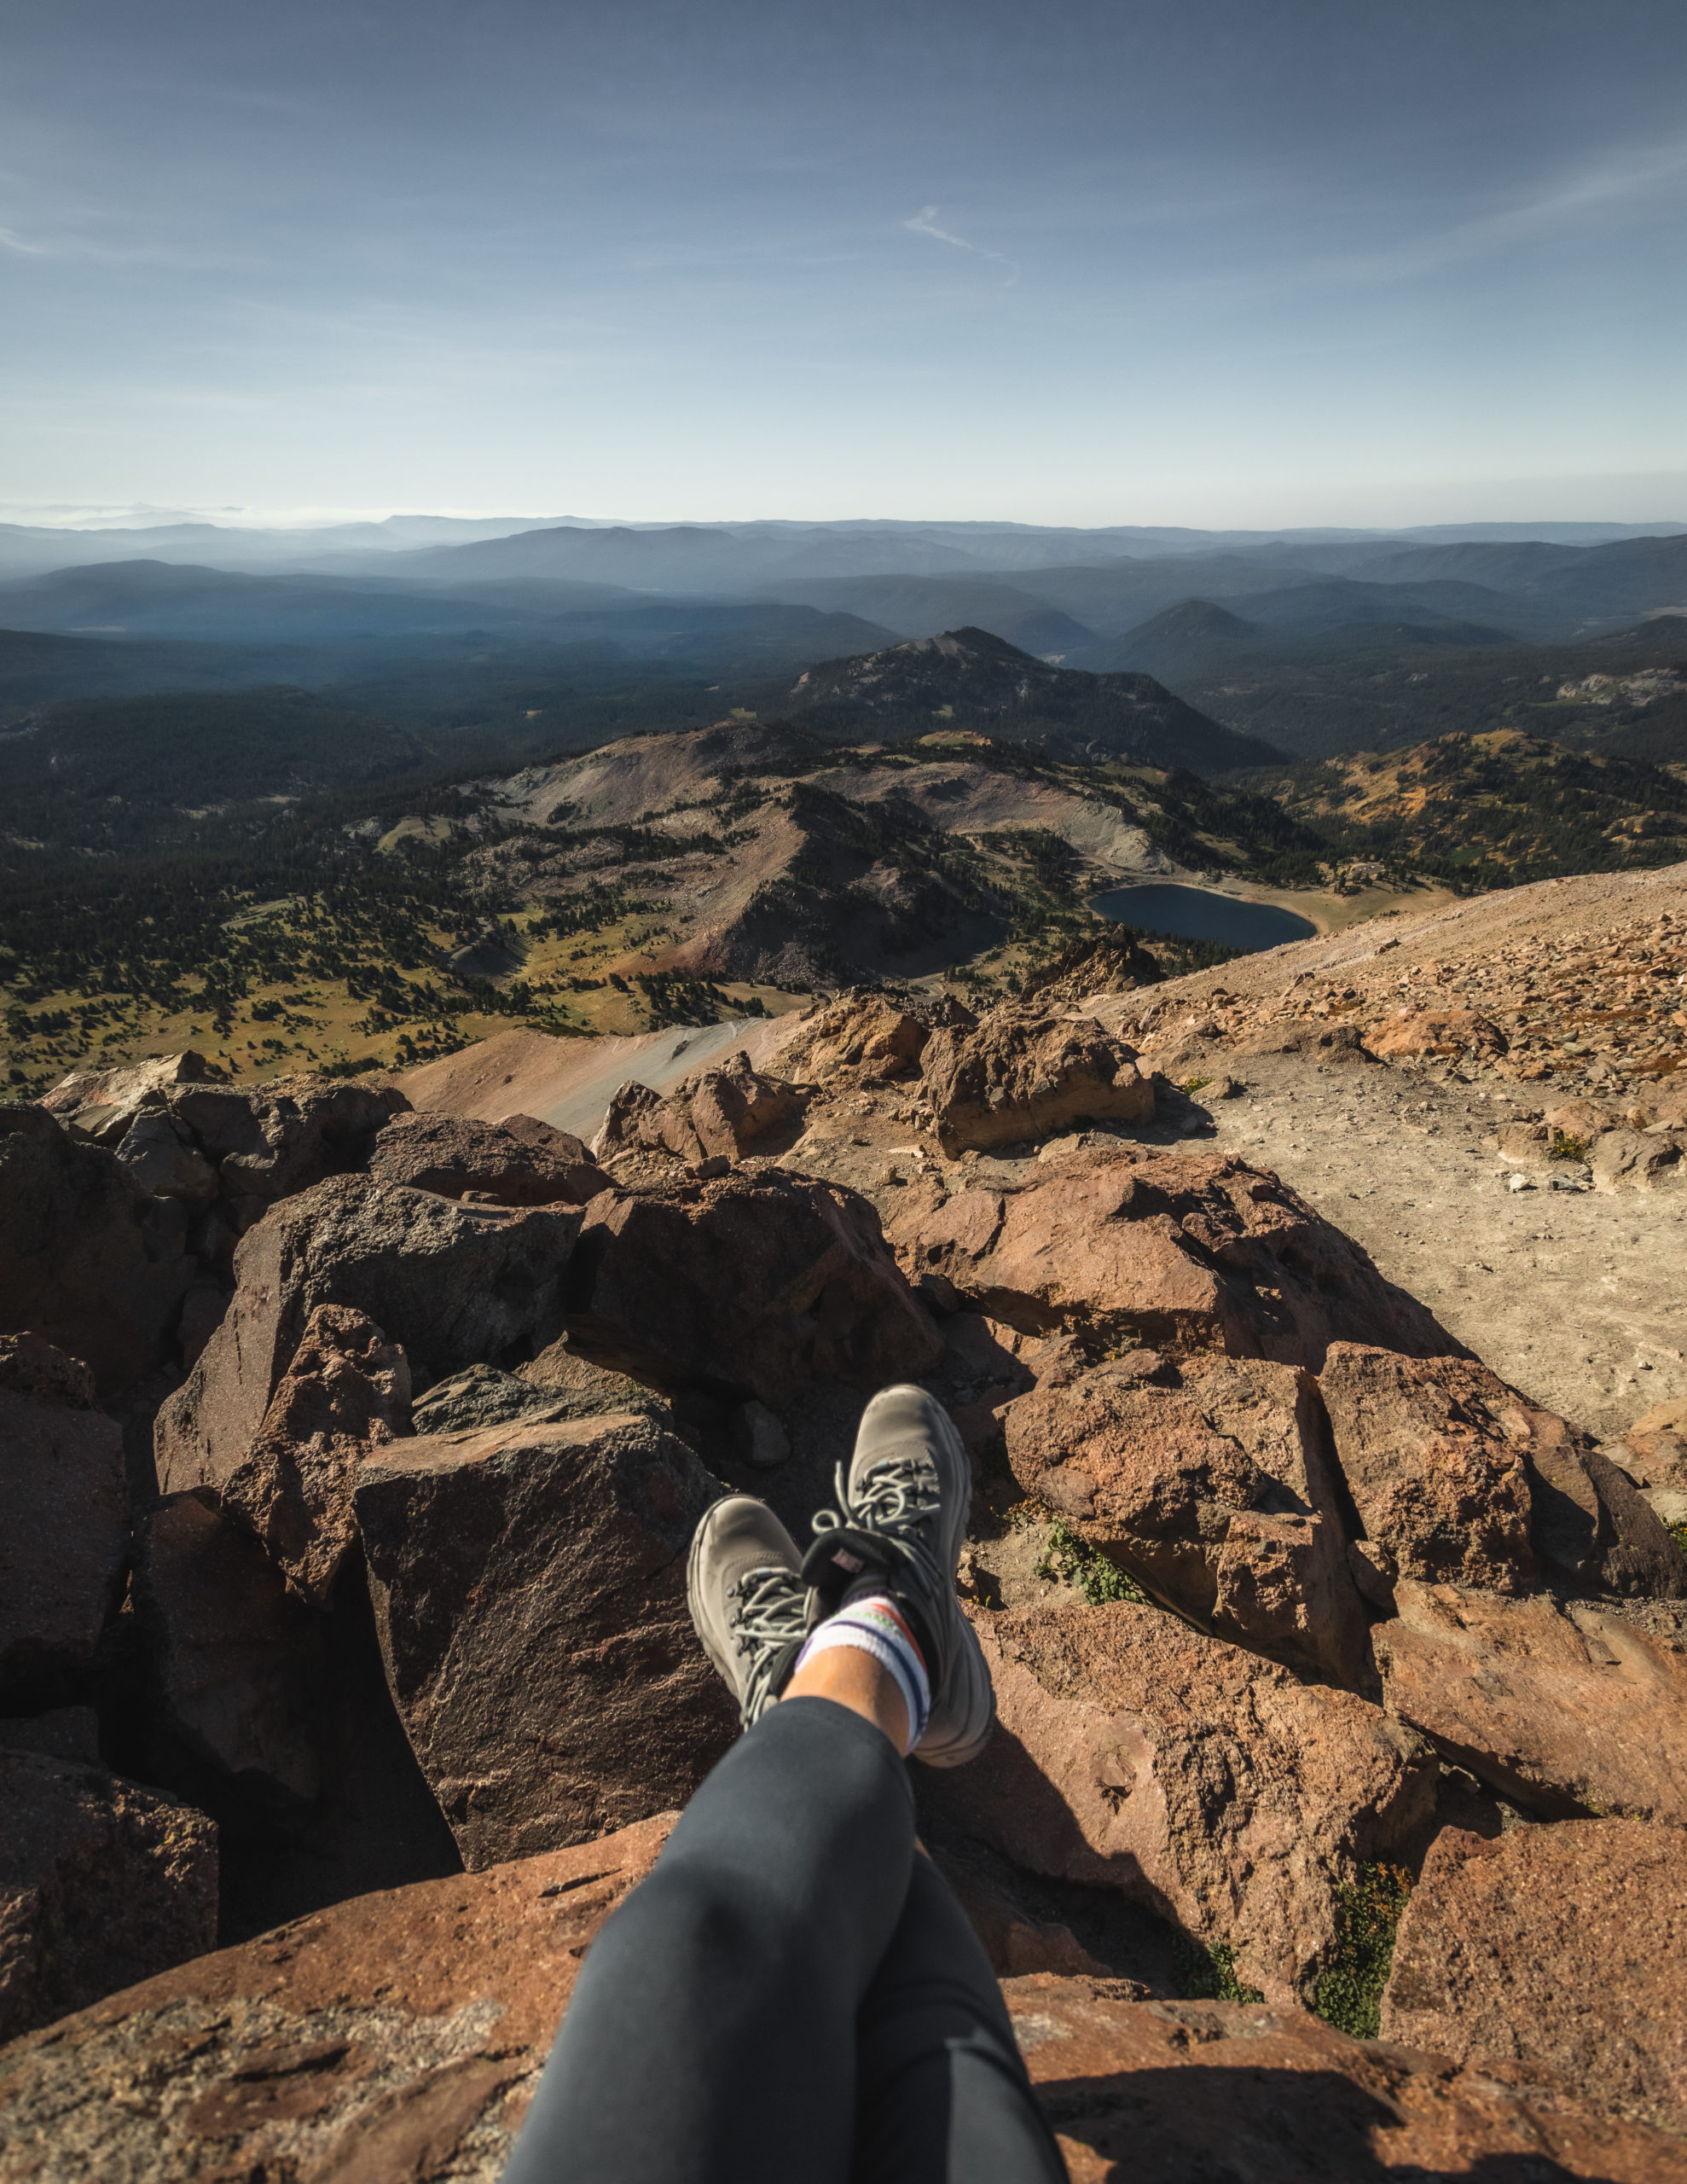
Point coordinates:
pixel 1196 914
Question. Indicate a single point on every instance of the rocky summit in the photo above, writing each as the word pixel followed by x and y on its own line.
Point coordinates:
pixel 353 1432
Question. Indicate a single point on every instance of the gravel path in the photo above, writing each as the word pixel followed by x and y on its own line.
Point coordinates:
pixel 1578 1297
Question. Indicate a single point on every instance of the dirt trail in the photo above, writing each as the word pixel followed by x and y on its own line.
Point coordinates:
pixel 1578 1297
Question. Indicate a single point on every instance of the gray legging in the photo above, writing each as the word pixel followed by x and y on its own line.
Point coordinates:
pixel 793 1996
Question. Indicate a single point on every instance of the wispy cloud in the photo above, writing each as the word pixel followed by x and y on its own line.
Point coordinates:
pixel 1652 170
pixel 924 223
pixel 11 239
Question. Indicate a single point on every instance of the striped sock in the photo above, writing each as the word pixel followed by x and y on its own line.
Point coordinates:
pixel 872 1621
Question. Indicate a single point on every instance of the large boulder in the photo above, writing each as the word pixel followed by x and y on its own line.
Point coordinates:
pixel 1134 1753
pixel 400 2036
pixel 1208 1483
pixel 88 1258
pixel 873 1037
pixel 392 2038
pixel 755 1285
pixel 1568 1710
pixel 269 1141
pixel 101 1105
pixel 102 1883
pixel 231 1659
pixel 1239 2092
pixel 722 1114
pixel 1425 1034
pixel 1564 1946
pixel 1434 1451
pixel 1595 1526
pixel 1027 1072
pixel 516 1162
pixel 345 1393
pixel 529 1585
pixel 451 1285
pixel 64 1542
pixel 1127 1249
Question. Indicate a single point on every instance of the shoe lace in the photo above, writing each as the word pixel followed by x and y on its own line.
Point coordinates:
pixel 893 1502
pixel 769 1611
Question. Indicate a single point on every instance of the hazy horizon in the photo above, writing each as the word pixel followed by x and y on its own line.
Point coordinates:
pixel 1196 263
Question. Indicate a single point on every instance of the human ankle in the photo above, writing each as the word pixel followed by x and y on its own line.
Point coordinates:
pixel 855 1681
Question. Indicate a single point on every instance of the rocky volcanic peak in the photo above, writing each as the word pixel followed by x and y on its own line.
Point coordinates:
pixel 975 680
pixel 1298 1613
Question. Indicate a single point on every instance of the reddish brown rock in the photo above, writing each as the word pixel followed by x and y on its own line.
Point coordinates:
pixel 754 1286
pixel 1167 1251
pixel 88 1259
pixel 345 1393
pixel 529 1584
pixel 724 1113
pixel 230 1656
pixel 1209 1484
pixel 1562 1946
pixel 1434 1451
pixel 1655 1448
pixel 1135 1753
pixel 517 1162
pixel 1027 1071
pixel 1592 1524
pixel 1567 1710
pixel 64 1541
pixel 1167 2093
pixel 101 1883
pixel 452 1284
pixel 870 1036
pixel 397 2036
pixel 1441 1032
pixel 400 2036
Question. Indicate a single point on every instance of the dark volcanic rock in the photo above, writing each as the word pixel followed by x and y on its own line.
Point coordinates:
pixel 1434 1451
pixel 346 1391
pixel 520 1162
pixel 452 1284
pixel 1134 1753
pixel 271 1141
pixel 1567 1710
pixel 554 1385
pixel 230 1655
pixel 755 1285
pixel 1563 1946
pixel 1210 1486
pixel 529 1584
pixel 64 1542
pixel 88 1258
pixel 390 2039
pixel 101 1883
pixel 1028 1072
pixel 1595 1526
pixel 1129 1249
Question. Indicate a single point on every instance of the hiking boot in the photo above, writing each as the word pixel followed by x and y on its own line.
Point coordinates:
pixel 901 1517
pixel 744 1585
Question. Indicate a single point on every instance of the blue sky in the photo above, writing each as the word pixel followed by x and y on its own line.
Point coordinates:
pixel 1278 262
